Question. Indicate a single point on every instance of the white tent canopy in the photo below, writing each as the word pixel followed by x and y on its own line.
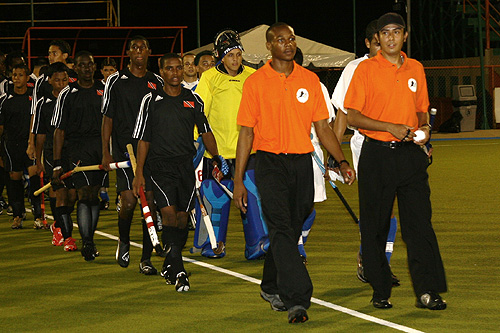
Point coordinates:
pixel 320 55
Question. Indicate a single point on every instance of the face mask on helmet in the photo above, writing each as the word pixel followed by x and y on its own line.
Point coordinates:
pixel 225 41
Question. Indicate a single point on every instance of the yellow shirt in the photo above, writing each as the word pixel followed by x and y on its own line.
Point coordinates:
pixel 221 94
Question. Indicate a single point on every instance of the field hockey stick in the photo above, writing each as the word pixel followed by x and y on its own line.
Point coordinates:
pixel 113 166
pixel 218 248
pixel 218 176
pixel 335 188
pixel 145 207
pixel 42 202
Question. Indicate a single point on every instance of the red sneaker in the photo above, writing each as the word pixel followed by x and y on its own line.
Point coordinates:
pixel 70 244
pixel 57 237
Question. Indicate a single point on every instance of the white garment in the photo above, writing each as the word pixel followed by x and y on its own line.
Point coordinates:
pixel 191 85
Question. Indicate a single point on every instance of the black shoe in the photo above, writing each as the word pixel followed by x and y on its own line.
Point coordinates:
pixel 147 268
pixel 96 253
pixel 381 303
pixel 167 273
pixel 122 253
pixel 395 281
pixel 430 300
pixel 297 314
pixel 104 205
pixel 273 299
pixel 182 282
pixel 88 251
pixel 360 271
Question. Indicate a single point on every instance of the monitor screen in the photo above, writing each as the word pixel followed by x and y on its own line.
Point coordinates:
pixel 467 91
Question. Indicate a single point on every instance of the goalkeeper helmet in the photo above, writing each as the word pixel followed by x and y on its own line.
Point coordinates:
pixel 226 41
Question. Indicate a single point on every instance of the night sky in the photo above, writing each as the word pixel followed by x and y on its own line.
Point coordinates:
pixel 328 22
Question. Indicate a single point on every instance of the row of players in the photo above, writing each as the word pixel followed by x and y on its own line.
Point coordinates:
pixel 66 125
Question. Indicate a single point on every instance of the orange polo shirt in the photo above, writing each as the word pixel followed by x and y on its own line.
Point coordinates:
pixel 381 91
pixel 281 109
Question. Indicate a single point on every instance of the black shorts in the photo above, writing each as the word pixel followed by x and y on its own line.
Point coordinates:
pixel 15 157
pixel 125 177
pixel 174 183
pixel 87 151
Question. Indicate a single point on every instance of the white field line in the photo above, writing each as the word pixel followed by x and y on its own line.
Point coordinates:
pixel 314 300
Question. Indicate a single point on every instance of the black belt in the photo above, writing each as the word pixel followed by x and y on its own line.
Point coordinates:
pixel 389 144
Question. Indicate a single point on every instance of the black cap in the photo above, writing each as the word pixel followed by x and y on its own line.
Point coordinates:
pixel 390 18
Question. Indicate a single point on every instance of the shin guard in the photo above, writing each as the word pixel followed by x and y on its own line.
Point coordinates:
pixel 391 237
pixel 306 228
pixel 35 199
pixel 84 220
pixel 217 204
pixel 254 226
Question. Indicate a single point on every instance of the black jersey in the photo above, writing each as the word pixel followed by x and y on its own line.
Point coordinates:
pixel 15 116
pixel 122 99
pixel 168 123
pixel 43 118
pixel 78 111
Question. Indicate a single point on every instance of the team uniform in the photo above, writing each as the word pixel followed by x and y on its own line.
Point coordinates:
pixel 191 85
pixel 221 94
pixel 122 100
pixel 280 110
pixel 15 119
pixel 167 123
pixel 382 91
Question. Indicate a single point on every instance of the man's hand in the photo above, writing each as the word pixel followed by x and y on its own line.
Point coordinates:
pixel 107 159
pixel 30 151
pixel 427 132
pixel 138 182
pixel 56 175
pixel 240 196
pixel 401 132
pixel 348 173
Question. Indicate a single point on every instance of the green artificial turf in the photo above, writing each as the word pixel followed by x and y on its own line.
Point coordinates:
pixel 46 289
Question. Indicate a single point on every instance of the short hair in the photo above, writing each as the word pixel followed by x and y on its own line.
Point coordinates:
pixel 137 37
pixel 62 45
pixel 83 54
pixel 109 62
pixel 70 60
pixel 275 25
pixel 299 56
pixel 201 54
pixel 167 56
pixel 14 55
pixel 40 61
pixel 371 30
pixel 22 66
pixel 188 54
pixel 57 67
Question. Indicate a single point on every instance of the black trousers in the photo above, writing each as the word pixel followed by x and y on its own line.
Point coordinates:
pixel 285 184
pixel 385 173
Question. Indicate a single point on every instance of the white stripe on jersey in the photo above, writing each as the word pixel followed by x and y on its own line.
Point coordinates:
pixel 142 117
pixel 202 109
pixel 112 79
pixel 57 113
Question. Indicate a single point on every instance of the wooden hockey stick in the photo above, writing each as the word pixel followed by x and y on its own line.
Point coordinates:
pixel 116 165
pixel 145 207
pixel 218 248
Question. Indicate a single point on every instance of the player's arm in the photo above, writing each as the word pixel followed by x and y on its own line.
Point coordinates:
pixel 106 128
pixel 142 153
pixel 57 150
pixel 339 125
pixel 356 119
pixel 31 150
pixel 243 149
pixel 210 143
pixel 331 144
pixel 40 140
pixel 423 121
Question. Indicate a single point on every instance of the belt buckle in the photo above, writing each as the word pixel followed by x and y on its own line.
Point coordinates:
pixel 393 144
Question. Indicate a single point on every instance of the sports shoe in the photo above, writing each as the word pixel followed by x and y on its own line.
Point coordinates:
pixel 88 251
pixel 122 253
pixel 430 300
pixel 57 237
pixel 70 244
pixel 360 272
pixel 9 210
pixel 94 249
pixel 395 281
pixel 17 223
pixel 104 205
pixel 3 204
pixel 182 282
pixel 297 314
pixel 38 224
pixel 273 299
pixel 167 273
pixel 381 303
pixel 147 268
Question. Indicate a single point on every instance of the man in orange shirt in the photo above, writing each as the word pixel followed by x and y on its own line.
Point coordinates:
pixel 279 103
pixel 388 101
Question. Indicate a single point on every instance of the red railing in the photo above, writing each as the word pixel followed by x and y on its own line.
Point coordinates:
pixel 487 17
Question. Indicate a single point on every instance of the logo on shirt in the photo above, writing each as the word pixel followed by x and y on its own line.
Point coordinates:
pixel 72 80
pixel 188 104
pixel 30 85
pixel 100 92
pixel 151 85
pixel 412 84
pixel 302 95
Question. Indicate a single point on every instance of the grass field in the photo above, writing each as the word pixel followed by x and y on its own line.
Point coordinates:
pixel 44 288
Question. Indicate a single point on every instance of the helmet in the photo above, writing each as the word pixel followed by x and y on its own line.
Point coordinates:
pixel 225 41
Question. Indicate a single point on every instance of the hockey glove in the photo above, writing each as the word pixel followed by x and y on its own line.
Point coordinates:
pixel 222 164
